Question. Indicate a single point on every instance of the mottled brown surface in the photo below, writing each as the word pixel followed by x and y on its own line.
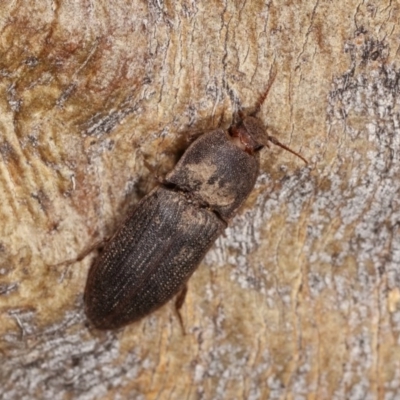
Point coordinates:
pixel 301 297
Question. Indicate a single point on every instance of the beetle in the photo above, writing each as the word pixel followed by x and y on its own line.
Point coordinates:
pixel 155 251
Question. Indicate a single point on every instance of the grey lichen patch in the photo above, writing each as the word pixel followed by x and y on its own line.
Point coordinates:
pixel 76 350
pixel 6 289
pixel 369 205
pixel 358 223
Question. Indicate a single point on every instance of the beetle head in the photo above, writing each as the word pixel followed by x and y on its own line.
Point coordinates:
pixel 248 134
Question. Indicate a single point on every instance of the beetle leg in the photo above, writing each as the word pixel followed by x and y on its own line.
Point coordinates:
pixel 180 299
pixel 98 245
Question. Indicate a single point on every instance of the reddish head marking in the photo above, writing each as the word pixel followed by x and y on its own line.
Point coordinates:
pixel 250 134
pixel 244 140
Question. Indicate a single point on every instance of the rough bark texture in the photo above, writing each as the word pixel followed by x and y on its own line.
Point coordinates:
pixel 301 297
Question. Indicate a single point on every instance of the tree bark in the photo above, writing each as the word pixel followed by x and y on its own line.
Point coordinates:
pixel 300 298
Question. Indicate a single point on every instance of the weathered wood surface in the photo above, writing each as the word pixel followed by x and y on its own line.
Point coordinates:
pixel 301 297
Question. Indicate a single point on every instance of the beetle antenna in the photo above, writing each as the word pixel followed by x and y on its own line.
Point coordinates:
pixel 276 142
pixel 264 95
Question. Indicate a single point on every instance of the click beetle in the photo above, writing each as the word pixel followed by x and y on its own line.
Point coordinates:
pixel 159 246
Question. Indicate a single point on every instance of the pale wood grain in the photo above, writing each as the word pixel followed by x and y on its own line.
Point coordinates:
pixel 301 297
